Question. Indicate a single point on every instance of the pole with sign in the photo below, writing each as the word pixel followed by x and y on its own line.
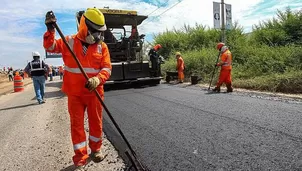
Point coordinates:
pixel 216 13
pixel 228 9
pixel 225 19
pixel 223 22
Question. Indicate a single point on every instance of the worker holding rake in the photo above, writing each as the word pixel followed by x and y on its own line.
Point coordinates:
pixel 93 55
pixel 226 67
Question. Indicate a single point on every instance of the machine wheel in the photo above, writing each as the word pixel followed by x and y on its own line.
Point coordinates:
pixel 155 82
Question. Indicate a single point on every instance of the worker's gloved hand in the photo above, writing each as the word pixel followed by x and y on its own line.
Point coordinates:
pixel 50 19
pixel 93 83
pixel 217 64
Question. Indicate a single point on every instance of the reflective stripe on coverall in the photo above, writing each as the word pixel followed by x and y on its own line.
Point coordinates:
pixel 226 68
pixel 96 62
pixel 180 69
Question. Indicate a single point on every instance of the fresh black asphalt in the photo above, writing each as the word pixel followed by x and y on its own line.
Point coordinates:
pixel 177 127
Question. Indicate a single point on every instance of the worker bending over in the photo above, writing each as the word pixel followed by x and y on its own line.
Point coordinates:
pixel 180 67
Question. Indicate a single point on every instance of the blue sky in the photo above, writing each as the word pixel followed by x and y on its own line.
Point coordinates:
pixel 22 25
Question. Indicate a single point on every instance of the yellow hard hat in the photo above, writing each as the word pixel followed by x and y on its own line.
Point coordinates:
pixel 95 19
pixel 177 54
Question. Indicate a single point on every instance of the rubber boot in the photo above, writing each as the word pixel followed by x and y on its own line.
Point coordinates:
pixel 97 156
pixel 229 88
pixel 216 89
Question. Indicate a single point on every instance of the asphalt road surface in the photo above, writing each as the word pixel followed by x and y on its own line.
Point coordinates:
pixel 174 128
pixel 37 137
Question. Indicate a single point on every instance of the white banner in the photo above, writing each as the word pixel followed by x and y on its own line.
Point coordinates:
pixel 228 23
pixel 53 55
pixel 216 15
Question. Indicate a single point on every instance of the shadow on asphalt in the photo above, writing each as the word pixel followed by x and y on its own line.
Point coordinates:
pixel 53 84
pixel 72 167
pixel 172 83
pixel 69 168
pixel 53 94
pixel 125 87
pixel 211 92
pixel 16 107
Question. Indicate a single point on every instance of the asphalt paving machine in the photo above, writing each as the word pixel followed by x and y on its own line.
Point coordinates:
pixel 126 48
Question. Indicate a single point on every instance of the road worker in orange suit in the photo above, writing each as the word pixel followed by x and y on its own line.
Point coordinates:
pixel 226 67
pixel 94 56
pixel 180 67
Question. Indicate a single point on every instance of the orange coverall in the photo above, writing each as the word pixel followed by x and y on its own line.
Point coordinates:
pixel 96 62
pixel 180 69
pixel 226 68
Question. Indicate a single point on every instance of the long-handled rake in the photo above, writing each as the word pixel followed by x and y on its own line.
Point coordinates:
pixel 214 71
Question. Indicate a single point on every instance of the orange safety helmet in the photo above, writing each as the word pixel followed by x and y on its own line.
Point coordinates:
pixel 219 45
pixel 158 46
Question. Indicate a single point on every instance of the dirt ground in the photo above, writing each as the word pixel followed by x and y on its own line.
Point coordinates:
pixel 37 137
pixel 7 86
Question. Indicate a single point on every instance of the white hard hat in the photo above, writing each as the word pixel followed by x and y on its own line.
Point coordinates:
pixel 36 54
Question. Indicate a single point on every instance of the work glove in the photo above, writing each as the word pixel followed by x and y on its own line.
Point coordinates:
pixel 92 83
pixel 50 19
pixel 217 65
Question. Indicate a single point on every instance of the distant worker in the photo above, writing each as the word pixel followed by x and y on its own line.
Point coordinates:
pixel 10 75
pixel 37 69
pixel 180 67
pixel 134 33
pixel 94 56
pixel 56 69
pixel 61 72
pixel 226 67
pixel 154 58
pixel 21 73
pixel 109 37
pixel 50 73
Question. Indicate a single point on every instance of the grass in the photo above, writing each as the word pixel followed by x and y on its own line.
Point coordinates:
pixel 269 58
pixel 289 82
pixel 275 69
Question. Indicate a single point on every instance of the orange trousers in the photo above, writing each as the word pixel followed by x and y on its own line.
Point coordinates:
pixel 76 107
pixel 181 75
pixel 224 77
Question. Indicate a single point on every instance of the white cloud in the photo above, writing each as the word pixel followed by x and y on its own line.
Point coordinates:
pixel 192 11
pixel 21 18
